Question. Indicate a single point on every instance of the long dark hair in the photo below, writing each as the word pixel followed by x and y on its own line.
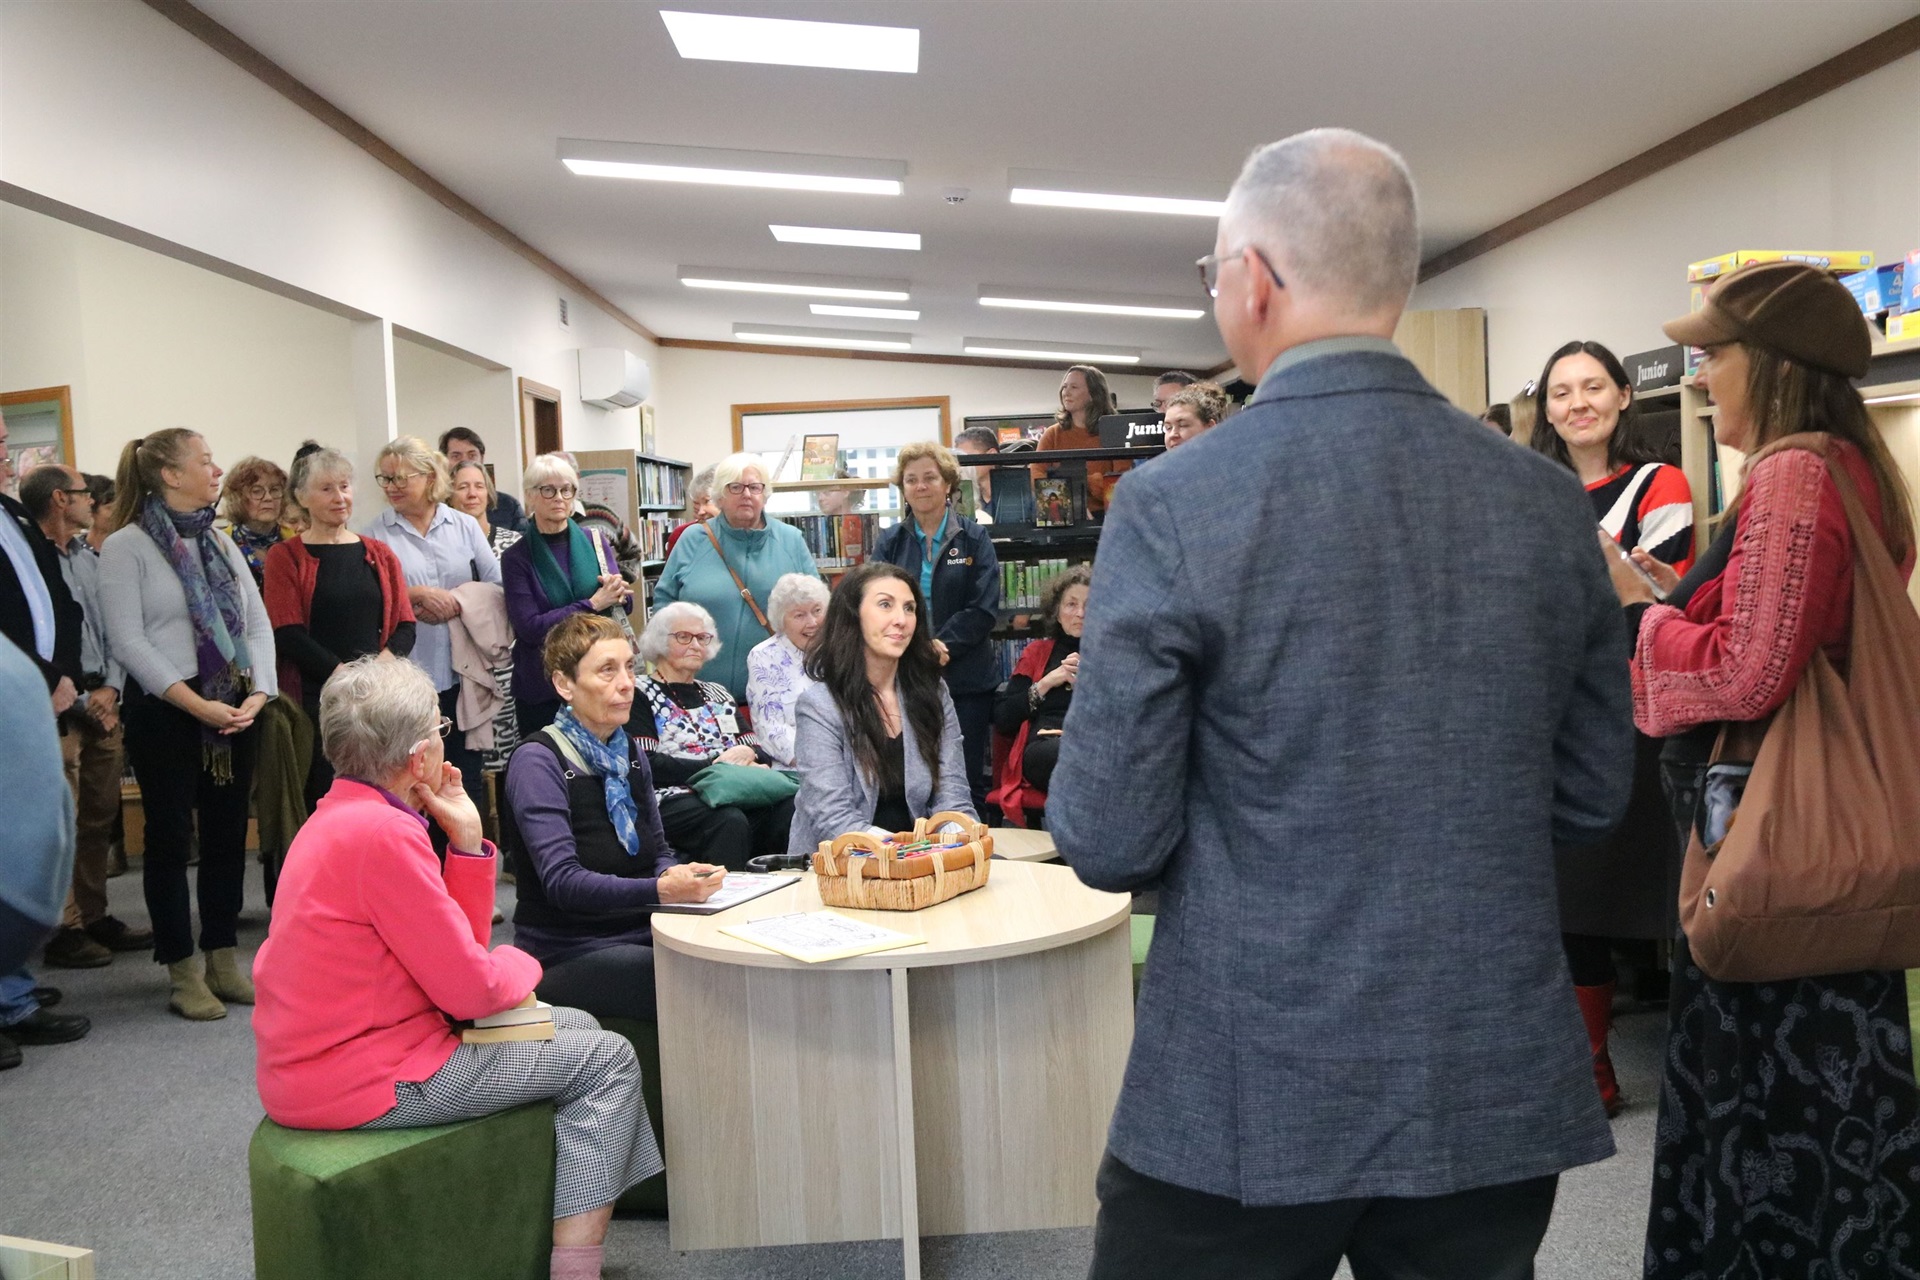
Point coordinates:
pixel 1100 397
pixel 838 660
pixel 1626 445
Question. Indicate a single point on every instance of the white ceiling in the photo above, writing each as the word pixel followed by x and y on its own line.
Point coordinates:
pixel 1497 105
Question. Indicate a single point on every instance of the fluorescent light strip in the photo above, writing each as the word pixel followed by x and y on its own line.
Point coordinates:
pixel 796 340
pixel 846 237
pixel 871 313
pixel 1905 399
pixel 1028 353
pixel 733 177
pixel 1117 203
pixel 796 290
pixel 787 42
pixel 1097 308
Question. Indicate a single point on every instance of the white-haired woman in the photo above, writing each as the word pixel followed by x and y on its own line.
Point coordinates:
pixel 440 549
pixel 375 945
pixel 728 565
pixel 685 725
pixel 776 674
pixel 559 569
pixel 332 595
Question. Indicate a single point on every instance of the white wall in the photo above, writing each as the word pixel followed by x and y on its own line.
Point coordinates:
pixel 148 342
pixel 1842 172
pixel 435 391
pixel 695 391
pixel 109 108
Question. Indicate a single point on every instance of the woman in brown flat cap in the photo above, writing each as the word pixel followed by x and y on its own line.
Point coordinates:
pixel 1788 1143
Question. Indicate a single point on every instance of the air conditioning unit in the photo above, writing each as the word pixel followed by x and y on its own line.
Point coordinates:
pixel 612 378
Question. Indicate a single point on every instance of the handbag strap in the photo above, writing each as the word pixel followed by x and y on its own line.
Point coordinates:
pixel 758 616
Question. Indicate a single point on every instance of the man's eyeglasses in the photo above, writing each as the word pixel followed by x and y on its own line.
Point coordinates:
pixel 1210 267
pixel 689 639
pixel 556 490
pixel 736 489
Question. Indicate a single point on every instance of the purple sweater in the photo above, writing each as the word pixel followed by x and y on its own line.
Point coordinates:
pixel 533 615
pixel 537 792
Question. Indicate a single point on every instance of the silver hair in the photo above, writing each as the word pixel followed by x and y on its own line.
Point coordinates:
pixel 730 468
pixel 653 641
pixel 790 590
pixel 372 712
pixel 549 468
pixel 702 486
pixel 309 467
pixel 1337 213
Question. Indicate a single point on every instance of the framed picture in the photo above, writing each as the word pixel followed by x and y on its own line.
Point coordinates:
pixel 1052 504
pixel 820 457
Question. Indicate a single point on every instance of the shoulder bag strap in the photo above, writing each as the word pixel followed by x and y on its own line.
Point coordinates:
pixel 758 616
pixel 566 749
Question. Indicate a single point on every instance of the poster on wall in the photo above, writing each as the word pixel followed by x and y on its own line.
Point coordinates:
pixel 606 489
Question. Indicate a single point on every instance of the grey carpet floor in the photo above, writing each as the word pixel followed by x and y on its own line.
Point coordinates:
pixel 133 1142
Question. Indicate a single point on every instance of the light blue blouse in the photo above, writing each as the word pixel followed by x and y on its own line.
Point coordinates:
pixel 451 552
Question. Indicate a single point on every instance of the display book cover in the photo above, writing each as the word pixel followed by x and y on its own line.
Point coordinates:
pixel 531 1019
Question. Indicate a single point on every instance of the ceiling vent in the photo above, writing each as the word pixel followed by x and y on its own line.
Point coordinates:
pixel 612 378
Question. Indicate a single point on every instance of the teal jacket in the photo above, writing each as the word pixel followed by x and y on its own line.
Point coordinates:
pixel 695 574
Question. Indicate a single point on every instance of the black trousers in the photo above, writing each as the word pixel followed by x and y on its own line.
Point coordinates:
pixel 1149 1230
pixel 728 835
pixel 613 982
pixel 975 713
pixel 166 750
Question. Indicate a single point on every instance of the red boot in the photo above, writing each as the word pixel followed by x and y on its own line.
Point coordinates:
pixel 1596 1010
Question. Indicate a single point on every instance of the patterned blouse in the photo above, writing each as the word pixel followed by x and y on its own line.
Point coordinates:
pixel 254 547
pixel 775 681
pixel 691 724
pixel 506 721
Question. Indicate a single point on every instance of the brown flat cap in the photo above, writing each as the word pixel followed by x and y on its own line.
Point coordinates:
pixel 1796 310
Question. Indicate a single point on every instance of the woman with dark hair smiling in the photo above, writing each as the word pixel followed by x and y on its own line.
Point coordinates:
pixel 876 740
pixel 1084 400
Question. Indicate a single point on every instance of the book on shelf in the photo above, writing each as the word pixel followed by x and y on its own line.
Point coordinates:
pixel 660 485
pixel 530 1020
pixel 837 542
pixel 1023 583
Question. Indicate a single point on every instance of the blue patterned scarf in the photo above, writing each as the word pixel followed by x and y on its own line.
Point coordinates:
pixel 215 606
pixel 609 761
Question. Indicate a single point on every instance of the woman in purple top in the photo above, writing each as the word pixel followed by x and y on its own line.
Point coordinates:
pixel 559 570
pixel 591 861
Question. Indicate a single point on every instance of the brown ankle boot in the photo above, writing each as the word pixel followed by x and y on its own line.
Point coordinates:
pixel 1596 1010
pixel 191 999
pixel 225 977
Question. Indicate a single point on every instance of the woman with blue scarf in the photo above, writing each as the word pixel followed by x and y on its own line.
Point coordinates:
pixel 186 621
pixel 591 860
pixel 558 571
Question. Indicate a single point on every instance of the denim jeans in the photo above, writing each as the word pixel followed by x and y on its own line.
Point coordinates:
pixel 16 997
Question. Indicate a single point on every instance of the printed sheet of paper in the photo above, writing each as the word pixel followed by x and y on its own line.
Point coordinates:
pixel 739 887
pixel 814 936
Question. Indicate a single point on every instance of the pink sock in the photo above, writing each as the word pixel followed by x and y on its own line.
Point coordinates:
pixel 577 1261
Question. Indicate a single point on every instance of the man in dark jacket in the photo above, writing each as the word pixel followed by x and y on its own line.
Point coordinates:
pixel 1342 744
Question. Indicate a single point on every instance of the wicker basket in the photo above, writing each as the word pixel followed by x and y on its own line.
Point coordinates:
pixel 884 880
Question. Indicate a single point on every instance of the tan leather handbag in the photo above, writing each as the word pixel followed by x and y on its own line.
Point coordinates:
pixel 1819 869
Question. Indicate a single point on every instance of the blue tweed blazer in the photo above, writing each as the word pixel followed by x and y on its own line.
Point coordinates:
pixel 1352 664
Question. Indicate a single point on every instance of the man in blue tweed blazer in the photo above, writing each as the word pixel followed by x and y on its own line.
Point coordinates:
pixel 1355 664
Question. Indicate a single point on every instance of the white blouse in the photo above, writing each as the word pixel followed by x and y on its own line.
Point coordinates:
pixel 775 682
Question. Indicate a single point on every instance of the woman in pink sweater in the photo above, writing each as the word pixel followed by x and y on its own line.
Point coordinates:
pixel 374 946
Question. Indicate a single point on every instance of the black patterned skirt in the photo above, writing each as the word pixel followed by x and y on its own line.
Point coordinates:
pixel 1788 1144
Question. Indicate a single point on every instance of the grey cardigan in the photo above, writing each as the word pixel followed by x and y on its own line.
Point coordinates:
pixel 148 629
pixel 835 799
pixel 1352 664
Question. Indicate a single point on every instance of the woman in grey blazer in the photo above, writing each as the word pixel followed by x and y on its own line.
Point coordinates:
pixel 876 741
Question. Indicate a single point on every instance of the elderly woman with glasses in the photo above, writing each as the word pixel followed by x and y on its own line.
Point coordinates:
pixel 376 946
pixel 719 799
pixel 440 550
pixel 560 569
pixel 728 565
pixel 776 669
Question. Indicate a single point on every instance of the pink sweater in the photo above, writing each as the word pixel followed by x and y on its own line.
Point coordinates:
pixel 372 949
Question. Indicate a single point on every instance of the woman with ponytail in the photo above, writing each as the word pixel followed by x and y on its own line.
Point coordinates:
pixel 184 618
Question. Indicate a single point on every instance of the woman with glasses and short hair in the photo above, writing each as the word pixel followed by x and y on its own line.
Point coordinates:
pixel 684 725
pixel 559 569
pixel 253 502
pixel 440 550
pixel 728 565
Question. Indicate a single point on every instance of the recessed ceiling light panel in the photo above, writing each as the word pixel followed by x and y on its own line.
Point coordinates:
pixel 1141 308
pixel 845 237
pixel 786 42
pixel 1127 194
pixel 869 313
pixel 801 336
pixel 660 162
pixel 1042 349
pixel 799 286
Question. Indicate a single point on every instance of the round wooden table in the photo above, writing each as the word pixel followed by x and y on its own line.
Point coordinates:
pixel 1024 844
pixel 961 1086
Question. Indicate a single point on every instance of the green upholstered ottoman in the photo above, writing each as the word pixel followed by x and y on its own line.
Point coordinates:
pixel 1142 941
pixel 466 1201
pixel 649 1199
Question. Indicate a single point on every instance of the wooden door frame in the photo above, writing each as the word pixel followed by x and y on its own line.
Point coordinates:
pixel 531 391
pixel 63 396
pixel 943 403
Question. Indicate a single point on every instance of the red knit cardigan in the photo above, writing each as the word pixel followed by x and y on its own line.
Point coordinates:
pixel 290 574
pixel 1011 790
